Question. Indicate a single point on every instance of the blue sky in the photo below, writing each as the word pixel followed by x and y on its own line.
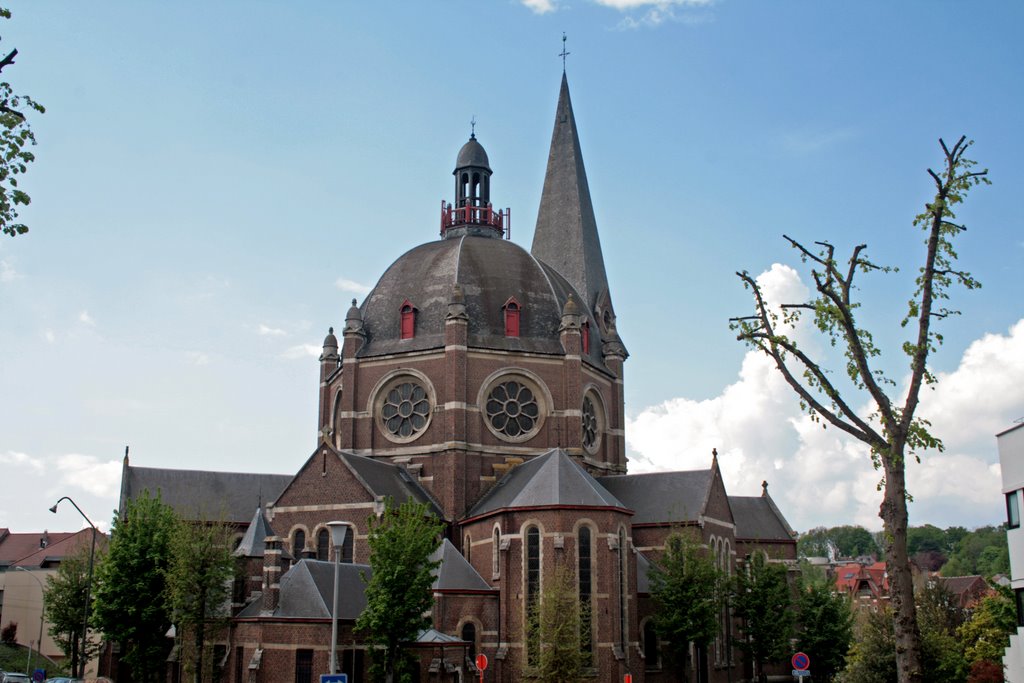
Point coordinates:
pixel 215 182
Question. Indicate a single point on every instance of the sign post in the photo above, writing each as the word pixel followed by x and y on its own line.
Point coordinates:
pixel 481 665
pixel 801 663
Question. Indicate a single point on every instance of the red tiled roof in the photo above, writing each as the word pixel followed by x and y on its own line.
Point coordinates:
pixel 24 549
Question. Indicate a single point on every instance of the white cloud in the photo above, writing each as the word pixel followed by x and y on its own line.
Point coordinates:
pixel 625 5
pixel 346 285
pixel 90 474
pixel 22 461
pixel 823 476
pixel 197 358
pixel 302 351
pixel 267 331
pixel 7 272
pixel 540 6
pixel 49 336
pixel 84 317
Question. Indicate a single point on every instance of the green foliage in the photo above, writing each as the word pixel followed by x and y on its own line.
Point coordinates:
pixel 64 605
pixel 686 588
pixel 9 633
pixel 842 541
pixel 764 604
pixel 199 581
pixel 926 538
pixel 556 629
pixel 987 633
pixel 982 551
pixel 825 630
pixel 15 138
pixel 13 658
pixel 398 593
pixel 131 584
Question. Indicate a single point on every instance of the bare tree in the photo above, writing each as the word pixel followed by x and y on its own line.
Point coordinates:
pixel 892 430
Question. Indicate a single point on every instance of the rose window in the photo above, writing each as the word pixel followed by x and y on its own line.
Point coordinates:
pixel 405 410
pixel 512 409
pixel 589 424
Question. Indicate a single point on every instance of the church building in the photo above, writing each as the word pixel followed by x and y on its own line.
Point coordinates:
pixel 485 380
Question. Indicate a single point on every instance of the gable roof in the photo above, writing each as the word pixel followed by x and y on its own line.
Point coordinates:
pixel 307 592
pixel 253 543
pixel 455 572
pixel 756 519
pixel 385 480
pixel 199 494
pixel 550 480
pixel 23 550
pixel 662 497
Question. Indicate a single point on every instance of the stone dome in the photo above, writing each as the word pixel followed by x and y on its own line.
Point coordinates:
pixel 472 154
pixel 489 271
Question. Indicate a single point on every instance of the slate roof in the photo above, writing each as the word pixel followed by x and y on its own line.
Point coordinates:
pixel 756 519
pixel 198 494
pixel 307 592
pixel 489 270
pixel 253 543
pixel 455 573
pixel 643 574
pixel 662 497
pixel 472 154
pixel 552 479
pixel 566 233
pixel 383 479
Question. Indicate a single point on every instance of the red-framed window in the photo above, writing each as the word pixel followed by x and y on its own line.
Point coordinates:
pixel 512 310
pixel 585 334
pixel 408 312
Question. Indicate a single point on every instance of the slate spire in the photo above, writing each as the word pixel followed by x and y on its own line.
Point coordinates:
pixel 566 236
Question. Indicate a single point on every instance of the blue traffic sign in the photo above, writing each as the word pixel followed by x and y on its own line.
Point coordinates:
pixel 333 678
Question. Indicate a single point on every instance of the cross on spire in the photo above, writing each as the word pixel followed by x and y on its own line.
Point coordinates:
pixel 472 127
pixel 563 54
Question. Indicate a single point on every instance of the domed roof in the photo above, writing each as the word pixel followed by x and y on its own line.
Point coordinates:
pixel 489 271
pixel 472 154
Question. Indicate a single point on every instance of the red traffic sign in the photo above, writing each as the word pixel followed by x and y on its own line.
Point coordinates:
pixel 800 661
pixel 628 678
pixel 481 662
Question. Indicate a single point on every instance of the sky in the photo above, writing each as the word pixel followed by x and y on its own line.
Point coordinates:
pixel 216 181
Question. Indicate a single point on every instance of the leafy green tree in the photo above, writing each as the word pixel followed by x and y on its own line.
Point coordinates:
pixel 940 615
pixel 398 596
pixel 764 604
pixel 825 629
pixel 842 541
pixel 64 607
pixel 925 539
pixel 987 633
pixel 982 551
pixel 130 606
pixel 15 137
pixel 892 430
pixel 556 625
pixel 686 588
pixel 199 581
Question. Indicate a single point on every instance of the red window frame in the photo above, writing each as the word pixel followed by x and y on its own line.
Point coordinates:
pixel 408 327
pixel 585 334
pixel 512 310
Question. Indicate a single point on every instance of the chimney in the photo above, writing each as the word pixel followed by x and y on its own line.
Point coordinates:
pixel 271 575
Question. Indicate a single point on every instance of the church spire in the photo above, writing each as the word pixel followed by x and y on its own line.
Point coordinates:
pixel 566 236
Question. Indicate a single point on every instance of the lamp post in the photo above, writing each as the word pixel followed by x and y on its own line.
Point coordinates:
pixel 338 531
pixel 88 584
pixel 39 643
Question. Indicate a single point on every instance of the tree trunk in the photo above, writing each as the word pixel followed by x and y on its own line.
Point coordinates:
pixel 901 588
pixel 74 657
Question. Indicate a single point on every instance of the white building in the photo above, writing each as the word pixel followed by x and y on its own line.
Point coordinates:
pixel 1011 460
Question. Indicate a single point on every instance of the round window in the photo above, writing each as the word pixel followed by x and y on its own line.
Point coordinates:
pixel 591 428
pixel 513 410
pixel 405 410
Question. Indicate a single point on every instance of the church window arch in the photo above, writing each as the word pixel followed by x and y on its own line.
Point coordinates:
pixel 514 403
pixel 402 404
pixel 531 588
pixel 585 582
pixel 512 311
pixel 593 420
pixel 585 336
pixel 650 645
pixel 349 545
pixel 467 544
pixel 468 633
pixel 408 320
pixel 623 639
pixel 496 552
pixel 323 545
pixel 298 542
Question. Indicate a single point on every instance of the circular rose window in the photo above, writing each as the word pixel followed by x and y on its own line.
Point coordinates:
pixel 512 409
pixel 406 410
pixel 590 425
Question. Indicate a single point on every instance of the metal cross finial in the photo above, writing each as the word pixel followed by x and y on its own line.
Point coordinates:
pixel 563 54
pixel 472 125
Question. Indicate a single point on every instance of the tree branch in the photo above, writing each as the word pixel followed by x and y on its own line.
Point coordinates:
pixel 9 59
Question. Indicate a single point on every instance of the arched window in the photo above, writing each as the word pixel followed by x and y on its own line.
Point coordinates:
pixel 408 320
pixel 584 550
pixel 496 553
pixel 323 545
pixel 298 544
pixel 652 655
pixel 511 308
pixel 466 545
pixel 622 588
pixel 348 546
pixel 469 635
pixel 585 335
pixel 532 590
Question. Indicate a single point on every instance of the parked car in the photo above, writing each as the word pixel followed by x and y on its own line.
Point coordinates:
pixel 15 678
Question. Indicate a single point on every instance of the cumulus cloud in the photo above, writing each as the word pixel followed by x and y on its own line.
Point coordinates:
pixel 823 476
pixel 7 272
pixel 197 358
pixel 49 336
pixel 302 351
pixel 346 285
pixel 84 317
pixel 90 474
pixel 267 331
pixel 540 6
pixel 22 461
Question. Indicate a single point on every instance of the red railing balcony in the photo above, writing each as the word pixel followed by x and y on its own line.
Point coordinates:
pixel 500 221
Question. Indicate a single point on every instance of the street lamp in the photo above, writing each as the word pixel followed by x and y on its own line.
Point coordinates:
pixel 88 585
pixel 338 531
pixel 39 643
